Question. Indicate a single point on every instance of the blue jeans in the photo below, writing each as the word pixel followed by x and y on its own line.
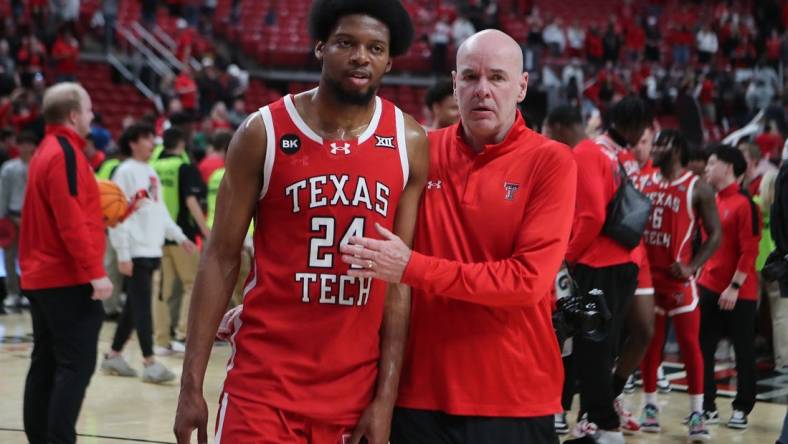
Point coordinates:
pixel 784 434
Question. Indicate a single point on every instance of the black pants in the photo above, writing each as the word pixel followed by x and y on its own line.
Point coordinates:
pixel 594 359
pixel 738 325
pixel 66 325
pixel 570 383
pixel 137 311
pixel 409 426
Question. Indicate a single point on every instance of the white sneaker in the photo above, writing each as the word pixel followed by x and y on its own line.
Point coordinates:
pixel 117 366
pixel 629 387
pixel 162 351
pixel 738 420
pixel 13 301
pixel 178 346
pixel 156 373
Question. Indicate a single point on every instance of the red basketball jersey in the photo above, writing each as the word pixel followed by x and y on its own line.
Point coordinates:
pixel 308 340
pixel 668 235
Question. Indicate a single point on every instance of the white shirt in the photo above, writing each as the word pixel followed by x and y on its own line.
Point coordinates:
pixel 461 29
pixel 143 233
pixel 576 37
pixel 441 34
pixel 707 41
pixel 554 34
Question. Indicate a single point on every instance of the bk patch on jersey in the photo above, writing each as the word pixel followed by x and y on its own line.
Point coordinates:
pixel 290 144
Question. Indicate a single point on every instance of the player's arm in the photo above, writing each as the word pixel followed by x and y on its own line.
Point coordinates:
pixel 199 217
pixel 705 205
pixel 748 225
pixel 376 421
pixel 218 270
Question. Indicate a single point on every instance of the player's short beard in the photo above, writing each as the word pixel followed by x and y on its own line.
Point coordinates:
pixel 354 98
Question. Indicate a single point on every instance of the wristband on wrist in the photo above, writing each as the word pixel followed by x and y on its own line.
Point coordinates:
pixel 735 285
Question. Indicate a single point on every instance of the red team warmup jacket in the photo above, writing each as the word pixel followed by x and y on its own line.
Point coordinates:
pixel 61 240
pixel 491 234
pixel 741 234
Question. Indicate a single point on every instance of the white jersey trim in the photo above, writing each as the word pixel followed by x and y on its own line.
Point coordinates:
pixel 691 212
pixel 270 149
pixel 222 412
pixel 681 179
pixel 402 145
pixel 310 133
pixel 373 124
pixel 298 121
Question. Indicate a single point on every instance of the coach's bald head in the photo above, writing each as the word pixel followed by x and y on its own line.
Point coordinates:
pixel 489 83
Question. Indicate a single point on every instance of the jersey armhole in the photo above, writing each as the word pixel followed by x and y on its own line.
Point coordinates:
pixel 402 146
pixel 270 149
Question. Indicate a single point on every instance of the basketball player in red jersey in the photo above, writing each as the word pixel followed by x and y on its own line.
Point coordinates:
pixel 316 353
pixel 679 199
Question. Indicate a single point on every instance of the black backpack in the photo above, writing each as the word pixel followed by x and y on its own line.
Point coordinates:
pixel 627 213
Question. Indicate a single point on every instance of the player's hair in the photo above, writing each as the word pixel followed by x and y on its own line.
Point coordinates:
pixel 132 134
pixel 564 115
pixel 732 156
pixel 700 153
pixel 438 92
pixel 172 137
pixel 221 140
pixel 27 137
pixel 674 139
pixel 629 113
pixel 324 15
pixel 60 100
pixel 181 118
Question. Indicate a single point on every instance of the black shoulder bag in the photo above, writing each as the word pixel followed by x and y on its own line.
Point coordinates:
pixel 627 213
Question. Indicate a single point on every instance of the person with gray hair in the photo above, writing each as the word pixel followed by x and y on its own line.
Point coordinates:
pixel 61 250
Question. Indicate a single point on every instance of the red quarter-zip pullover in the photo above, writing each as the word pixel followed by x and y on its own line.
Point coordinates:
pixel 492 231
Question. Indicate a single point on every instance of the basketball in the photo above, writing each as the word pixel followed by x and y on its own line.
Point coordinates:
pixel 113 202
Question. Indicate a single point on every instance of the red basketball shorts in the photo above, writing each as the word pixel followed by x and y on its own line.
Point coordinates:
pixel 243 422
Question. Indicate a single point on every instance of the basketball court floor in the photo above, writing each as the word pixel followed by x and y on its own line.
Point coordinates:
pixel 125 410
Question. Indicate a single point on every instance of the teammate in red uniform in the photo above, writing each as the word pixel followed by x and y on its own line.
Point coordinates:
pixel 482 364
pixel 679 199
pixel 316 352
